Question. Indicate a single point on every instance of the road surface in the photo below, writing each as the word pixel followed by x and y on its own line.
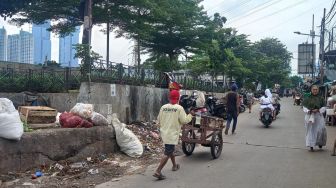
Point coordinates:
pixel 255 157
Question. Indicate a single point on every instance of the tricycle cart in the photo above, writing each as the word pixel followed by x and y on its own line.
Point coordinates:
pixel 206 131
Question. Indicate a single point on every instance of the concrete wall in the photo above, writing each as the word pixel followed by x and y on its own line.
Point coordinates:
pixel 60 101
pixel 52 145
pixel 131 103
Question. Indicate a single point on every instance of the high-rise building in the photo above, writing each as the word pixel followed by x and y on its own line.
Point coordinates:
pixel 27 47
pixel 42 43
pixel 13 48
pixel 67 51
pixel 3 44
pixel 20 47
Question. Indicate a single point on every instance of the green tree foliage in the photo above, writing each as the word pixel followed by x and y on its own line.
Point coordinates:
pixel 295 81
pixel 274 59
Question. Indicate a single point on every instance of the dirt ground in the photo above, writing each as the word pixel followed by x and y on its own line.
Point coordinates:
pixel 93 170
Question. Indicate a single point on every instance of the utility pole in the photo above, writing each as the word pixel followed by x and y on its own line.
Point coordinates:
pixel 312 33
pixel 108 35
pixel 322 47
pixel 87 22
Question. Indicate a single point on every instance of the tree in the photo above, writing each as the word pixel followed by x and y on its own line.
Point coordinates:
pixel 273 58
pixel 295 81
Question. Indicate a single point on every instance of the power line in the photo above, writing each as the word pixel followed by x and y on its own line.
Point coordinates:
pixel 291 19
pixel 332 7
pixel 236 7
pixel 283 9
pixel 255 11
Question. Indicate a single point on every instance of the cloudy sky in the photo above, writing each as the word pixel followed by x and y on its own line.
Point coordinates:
pixel 256 18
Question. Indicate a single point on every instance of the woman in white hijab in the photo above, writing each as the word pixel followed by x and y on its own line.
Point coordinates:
pixel 266 102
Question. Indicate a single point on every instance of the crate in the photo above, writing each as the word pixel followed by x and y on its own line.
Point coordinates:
pixel 37 114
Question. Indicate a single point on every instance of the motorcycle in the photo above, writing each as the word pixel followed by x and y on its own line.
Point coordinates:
pixel 297 100
pixel 242 108
pixel 277 108
pixel 215 108
pixel 188 102
pixel 266 117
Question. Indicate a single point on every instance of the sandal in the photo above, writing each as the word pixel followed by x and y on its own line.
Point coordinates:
pixel 159 176
pixel 176 167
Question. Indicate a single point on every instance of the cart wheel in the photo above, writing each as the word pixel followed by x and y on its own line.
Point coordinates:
pixel 187 147
pixel 216 145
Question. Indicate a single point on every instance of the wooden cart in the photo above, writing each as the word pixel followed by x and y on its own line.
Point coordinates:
pixel 207 131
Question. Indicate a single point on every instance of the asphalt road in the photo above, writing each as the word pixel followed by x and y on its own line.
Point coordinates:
pixel 255 157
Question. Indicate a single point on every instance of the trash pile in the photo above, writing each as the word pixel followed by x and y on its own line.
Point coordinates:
pixel 148 134
pixel 82 115
pixel 86 173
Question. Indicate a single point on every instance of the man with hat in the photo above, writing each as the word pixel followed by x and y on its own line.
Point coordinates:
pixel 171 118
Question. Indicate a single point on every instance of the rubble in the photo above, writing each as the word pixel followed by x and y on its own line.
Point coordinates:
pixel 95 170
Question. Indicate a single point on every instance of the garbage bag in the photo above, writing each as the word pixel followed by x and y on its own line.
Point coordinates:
pixel 321 139
pixel 11 126
pixel 200 101
pixel 98 119
pixel 70 120
pixel 83 110
pixel 126 139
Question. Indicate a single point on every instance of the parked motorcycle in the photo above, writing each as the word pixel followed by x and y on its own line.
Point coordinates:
pixel 215 108
pixel 188 102
pixel 266 117
pixel 242 108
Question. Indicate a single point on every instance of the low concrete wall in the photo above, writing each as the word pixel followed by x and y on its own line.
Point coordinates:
pixel 60 101
pixel 131 103
pixel 51 145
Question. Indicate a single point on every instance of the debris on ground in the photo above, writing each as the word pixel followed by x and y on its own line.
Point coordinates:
pixel 95 170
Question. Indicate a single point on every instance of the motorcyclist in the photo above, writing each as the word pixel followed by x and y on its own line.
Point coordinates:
pixel 276 99
pixel 266 102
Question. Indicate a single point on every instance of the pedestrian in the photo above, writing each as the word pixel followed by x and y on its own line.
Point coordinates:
pixel 313 107
pixel 249 99
pixel 171 118
pixel 232 103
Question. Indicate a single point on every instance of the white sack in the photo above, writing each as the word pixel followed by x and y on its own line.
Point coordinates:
pixel 200 101
pixel 126 139
pixel 99 120
pixel 83 110
pixel 11 126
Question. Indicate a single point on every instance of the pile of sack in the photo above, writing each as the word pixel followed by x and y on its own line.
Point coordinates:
pixel 11 126
pixel 82 115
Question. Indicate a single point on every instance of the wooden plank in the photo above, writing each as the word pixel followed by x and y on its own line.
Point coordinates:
pixel 42 113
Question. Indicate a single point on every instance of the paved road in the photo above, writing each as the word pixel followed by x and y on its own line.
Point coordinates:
pixel 255 157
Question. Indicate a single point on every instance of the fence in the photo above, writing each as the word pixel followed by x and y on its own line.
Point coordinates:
pixel 59 79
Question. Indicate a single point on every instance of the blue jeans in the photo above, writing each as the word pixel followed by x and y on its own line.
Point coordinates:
pixel 231 116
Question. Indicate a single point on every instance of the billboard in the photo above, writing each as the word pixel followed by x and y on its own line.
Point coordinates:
pixel 305 59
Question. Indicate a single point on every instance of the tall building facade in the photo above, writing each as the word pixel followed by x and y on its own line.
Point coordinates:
pixel 67 51
pixel 42 43
pixel 13 48
pixel 3 44
pixel 20 47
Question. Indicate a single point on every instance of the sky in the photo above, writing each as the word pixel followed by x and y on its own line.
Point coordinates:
pixel 257 18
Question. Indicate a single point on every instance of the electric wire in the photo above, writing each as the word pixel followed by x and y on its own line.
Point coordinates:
pixel 243 4
pixel 291 19
pixel 257 9
pixel 271 14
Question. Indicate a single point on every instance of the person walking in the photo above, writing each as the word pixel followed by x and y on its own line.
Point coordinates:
pixel 233 104
pixel 170 119
pixel 249 99
pixel 313 107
